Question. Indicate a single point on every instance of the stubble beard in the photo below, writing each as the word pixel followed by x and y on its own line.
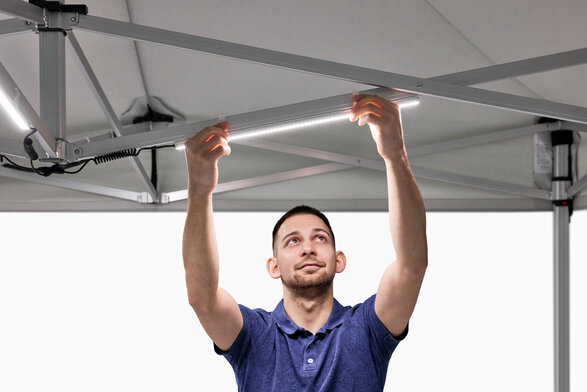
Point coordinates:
pixel 309 287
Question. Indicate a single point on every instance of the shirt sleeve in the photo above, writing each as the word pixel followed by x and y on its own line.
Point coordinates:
pixel 254 323
pixel 381 339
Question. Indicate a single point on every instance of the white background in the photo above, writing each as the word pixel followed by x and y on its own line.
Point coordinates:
pixel 97 302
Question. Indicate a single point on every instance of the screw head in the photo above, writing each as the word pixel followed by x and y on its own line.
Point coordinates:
pixel 76 151
pixel 420 85
pixel 73 19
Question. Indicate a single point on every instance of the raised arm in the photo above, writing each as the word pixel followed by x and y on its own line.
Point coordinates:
pixel 217 311
pixel 400 285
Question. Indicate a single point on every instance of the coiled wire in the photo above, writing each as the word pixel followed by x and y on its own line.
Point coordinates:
pixel 130 152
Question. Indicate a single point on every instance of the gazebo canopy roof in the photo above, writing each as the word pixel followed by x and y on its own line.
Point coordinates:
pixel 471 142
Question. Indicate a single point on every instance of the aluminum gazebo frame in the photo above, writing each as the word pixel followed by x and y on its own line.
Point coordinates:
pixel 55 24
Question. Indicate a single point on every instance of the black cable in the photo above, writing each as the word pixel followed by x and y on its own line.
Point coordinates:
pixel 130 152
pixel 80 169
pixel 33 130
pixel 154 168
pixel 46 171
pixel 14 164
pixel 35 170
pixel 157 147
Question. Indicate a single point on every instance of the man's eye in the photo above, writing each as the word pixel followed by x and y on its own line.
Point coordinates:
pixel 321 238
pixel 293 241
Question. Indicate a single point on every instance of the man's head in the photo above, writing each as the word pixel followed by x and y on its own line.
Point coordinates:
pixel 304 253
pixel 300 210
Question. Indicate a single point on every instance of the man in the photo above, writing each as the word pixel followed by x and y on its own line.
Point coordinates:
pixel 309 342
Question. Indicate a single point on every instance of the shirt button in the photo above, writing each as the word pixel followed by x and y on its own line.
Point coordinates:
pixel 310 360
pixel 311 345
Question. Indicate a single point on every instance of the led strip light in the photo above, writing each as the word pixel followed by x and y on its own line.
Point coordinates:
pixel 326 118
pixel 12 111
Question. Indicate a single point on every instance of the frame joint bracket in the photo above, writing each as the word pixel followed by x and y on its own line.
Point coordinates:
pixel 164 198
pixel 145 198
pixel 59 17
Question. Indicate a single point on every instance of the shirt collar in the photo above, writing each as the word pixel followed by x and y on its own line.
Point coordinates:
pixel 289 327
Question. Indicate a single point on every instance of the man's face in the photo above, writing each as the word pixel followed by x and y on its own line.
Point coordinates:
pixel 305 257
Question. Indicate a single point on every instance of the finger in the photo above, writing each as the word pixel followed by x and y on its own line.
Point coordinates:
pixel 358 97
pixel 214 141
pixel 218 151
pixel 215 131
pixel 371 119
pixel 225 126
pixel 362 100
pixel 220 128
pixel 367 109
pixel 222 143
pixel 203 137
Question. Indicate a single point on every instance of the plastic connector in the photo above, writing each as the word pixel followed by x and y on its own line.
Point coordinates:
pixel 29 149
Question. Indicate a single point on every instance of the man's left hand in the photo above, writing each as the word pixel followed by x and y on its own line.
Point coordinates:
pixel 384 119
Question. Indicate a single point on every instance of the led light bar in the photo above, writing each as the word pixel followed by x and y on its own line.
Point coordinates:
pixel 13 112
pixel 409 103
pixel 245 133
pixel 279 118
pixel 307 122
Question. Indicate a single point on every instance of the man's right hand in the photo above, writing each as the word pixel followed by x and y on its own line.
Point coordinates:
pixel 202 153
pixel 217 311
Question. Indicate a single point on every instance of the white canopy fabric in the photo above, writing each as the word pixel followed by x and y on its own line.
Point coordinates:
pixel 423 39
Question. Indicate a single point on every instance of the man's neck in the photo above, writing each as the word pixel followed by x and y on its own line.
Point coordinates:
pixel 310 314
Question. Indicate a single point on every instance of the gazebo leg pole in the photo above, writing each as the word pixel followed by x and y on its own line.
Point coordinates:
pixel 562 141
pixel 561 299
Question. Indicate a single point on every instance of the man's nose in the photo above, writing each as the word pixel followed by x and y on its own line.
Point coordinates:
pixel 308 249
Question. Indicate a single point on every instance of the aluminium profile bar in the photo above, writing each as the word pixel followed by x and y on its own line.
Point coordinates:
pixel 74 185
pixel 313 153
pixel 381 205
pixel 482 139
pixel 13 26
pixel 485 184
pixel 84 65
pixel 431 174
pixel 106 134
pixel 52 78
pixel 475 76
pixel 262 180
pixel 160 137
pixel 335 70
pixel 238 123
pixel 22 10
pixel 280 177
pixel 43 136
pixel 517 68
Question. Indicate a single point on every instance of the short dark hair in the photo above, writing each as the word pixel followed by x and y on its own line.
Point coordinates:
pixel 301 210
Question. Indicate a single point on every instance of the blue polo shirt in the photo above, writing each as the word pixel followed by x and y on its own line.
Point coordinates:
pixel 350 352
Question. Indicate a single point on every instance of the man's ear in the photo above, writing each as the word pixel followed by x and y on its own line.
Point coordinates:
pixel 340 261
pixel 273 268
